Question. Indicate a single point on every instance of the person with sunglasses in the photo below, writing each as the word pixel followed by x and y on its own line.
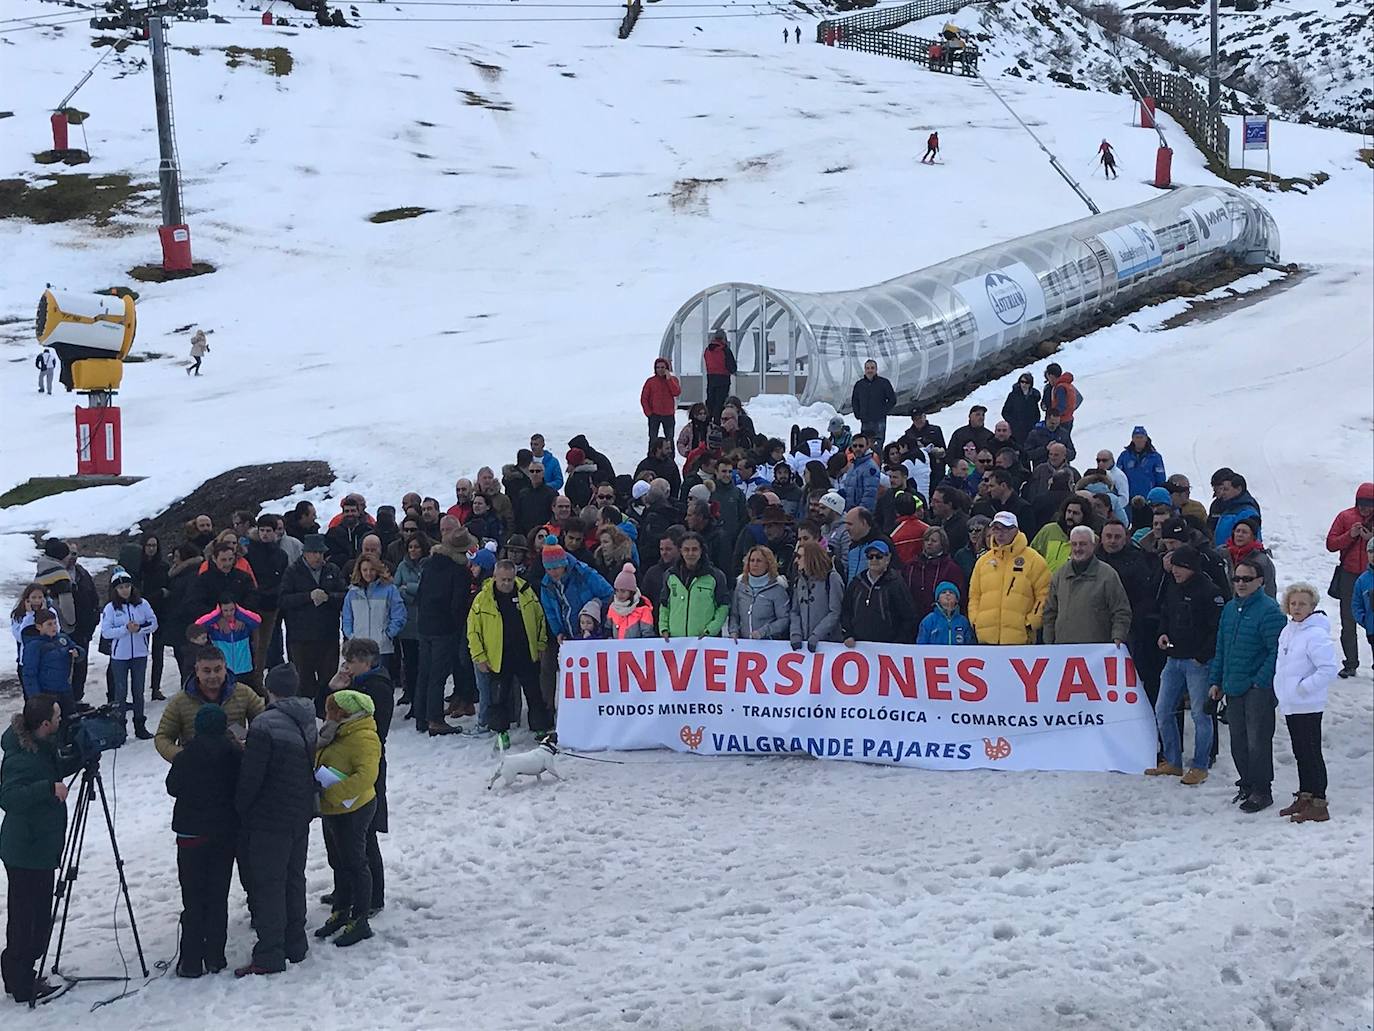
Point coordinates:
pixel 1243 671
pixel 877 605
pixel 1021 409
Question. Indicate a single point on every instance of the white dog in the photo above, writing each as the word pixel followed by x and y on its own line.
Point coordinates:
pixel 534 763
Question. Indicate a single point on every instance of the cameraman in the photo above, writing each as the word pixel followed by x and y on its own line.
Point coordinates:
pixel 31 838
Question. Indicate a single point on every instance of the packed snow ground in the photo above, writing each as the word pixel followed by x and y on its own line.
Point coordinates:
pixel 680 893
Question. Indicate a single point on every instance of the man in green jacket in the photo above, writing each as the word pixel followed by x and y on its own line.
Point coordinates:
pixel 31 838
pixel 696 600
pixel 1243 669
pixel 507 634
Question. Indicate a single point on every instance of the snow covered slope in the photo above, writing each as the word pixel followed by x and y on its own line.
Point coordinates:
pixel 1313 60
pixel 573 209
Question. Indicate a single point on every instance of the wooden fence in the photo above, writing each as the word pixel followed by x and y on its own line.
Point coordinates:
pixel 913 48
pixel 1181 98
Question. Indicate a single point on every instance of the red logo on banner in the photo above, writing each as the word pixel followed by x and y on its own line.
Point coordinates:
pixel 999 749
pixel 692 738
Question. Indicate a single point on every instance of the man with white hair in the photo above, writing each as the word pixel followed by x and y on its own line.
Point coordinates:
pixel 1087 603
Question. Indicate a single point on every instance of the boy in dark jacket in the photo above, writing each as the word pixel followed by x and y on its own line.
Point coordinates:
pixel 203 780
pixel 47 663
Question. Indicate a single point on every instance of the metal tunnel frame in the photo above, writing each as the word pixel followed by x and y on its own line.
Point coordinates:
pixel 932 329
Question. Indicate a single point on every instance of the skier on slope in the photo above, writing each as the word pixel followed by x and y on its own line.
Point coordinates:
pixel 1108 159
pixel 932 149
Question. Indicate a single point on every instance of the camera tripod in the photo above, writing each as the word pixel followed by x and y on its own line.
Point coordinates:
pixel 70 869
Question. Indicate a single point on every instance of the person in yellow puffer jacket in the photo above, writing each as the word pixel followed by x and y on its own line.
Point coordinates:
pixel 346 767
pixel 1009 586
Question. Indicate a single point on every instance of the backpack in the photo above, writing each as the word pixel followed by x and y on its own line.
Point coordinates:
pixel 38 361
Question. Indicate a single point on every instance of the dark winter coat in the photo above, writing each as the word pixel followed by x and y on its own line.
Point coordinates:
pixel 305 620
pixel 269 565
pixel 1022 411
pixel 605 472
pixel 35 824
pixel 1040 438
pixel 204 781
pixel 873 399
pixel 212 585
pixel 1226 514
pixel 925 574
pixel 980 435
pixel 153 582
pixel 376 684
pixel 1139 572
pixel 276 789
pixel 445 593
pixel 879 612
pixel 665 469
pixel 1189 616
pixel 346 542
pixel 177 607
pixel 534 507
pixel 87 602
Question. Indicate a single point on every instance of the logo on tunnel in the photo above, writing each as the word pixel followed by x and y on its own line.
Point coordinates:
pixel 1007 298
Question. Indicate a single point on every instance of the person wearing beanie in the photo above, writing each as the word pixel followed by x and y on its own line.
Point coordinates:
pixel 589 626
pixel 346 768
pixel 276 801
pixel 629 616
pixel 204 780
pixel 1142 464
pixel 209 684
pixel 52 574
pixel 567 586
pixel 945 624
pixel 1160 496
pixel 312 597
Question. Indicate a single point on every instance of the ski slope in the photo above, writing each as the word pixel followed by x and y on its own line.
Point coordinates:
pixel 673 893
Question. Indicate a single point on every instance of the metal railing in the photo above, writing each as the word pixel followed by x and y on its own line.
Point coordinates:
pixel 885 18
pixel 1182 99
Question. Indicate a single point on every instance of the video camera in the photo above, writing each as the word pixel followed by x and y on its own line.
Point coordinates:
pixel 89 731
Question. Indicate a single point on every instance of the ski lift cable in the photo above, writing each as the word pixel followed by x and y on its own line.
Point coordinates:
pixel 1054 161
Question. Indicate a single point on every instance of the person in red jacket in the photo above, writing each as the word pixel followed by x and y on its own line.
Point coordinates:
pixel 908 537
pixel 932 149
pixel 719 362
pixel 1060 395
pixel 658 398
pixel 1349 535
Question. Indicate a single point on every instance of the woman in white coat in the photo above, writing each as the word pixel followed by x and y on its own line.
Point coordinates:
pixel 128 623
pixel 1306 667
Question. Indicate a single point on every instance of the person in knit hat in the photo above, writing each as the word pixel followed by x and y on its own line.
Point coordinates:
pixel 589 626
pixel 629 616
pixel 567 586
pixel 203 780
pixel 346 767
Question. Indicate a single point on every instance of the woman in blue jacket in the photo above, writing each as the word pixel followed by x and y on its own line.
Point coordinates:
pixel 373 608
pixel 128 623
pixel 946 624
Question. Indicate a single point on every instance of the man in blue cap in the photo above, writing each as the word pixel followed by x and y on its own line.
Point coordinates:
pixel 1142 464
pixel 877 605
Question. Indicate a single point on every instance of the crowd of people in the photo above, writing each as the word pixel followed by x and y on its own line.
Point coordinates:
pixel 989 536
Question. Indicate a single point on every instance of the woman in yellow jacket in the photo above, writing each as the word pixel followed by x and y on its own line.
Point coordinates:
pixel 346 768
pixel 1007 592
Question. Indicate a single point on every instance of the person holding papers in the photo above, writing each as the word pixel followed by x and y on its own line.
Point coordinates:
pixel 346 769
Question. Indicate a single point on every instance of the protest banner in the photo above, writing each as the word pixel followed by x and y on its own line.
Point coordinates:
pixel 1053 707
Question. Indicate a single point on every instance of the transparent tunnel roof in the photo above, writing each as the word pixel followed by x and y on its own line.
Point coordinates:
pixel 932 329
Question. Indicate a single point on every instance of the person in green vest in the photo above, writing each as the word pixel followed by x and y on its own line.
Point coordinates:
pixel 696 598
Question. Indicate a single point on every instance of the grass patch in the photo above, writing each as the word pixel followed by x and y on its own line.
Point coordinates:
pixel 119 291
pixel 1366 154
pixel 396 214
pixel 158 274
pixel 690 194
pixel 66 198
pixel 74 115
pixel 120 43
pixel 61 157
pixel 47 486
pixel 278 60
pixel 489 72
